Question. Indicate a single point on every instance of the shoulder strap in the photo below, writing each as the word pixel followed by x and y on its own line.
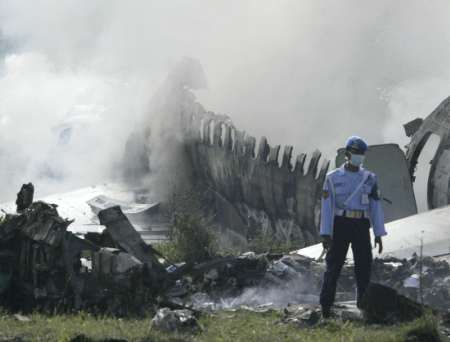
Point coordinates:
pixel 365 177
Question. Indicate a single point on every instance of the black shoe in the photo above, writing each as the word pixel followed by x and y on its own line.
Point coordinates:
pixel 326 312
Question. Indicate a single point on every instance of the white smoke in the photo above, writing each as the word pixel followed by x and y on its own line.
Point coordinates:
pixel 304 73
pixel 293 291
pixel 38 103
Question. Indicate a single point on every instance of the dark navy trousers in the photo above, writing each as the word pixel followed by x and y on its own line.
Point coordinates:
pixel 347 231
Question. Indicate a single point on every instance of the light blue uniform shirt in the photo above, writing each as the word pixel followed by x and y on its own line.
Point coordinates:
pixel 339 185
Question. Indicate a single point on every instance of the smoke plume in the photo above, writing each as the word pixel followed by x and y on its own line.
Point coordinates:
pixel 304 73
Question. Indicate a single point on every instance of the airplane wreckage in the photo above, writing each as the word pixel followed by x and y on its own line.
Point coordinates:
pixel 102 258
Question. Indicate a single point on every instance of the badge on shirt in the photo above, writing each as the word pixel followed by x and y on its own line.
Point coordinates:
pixel 365 199
pixel 325 194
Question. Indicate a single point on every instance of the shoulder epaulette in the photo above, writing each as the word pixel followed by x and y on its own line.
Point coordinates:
pixel 329 173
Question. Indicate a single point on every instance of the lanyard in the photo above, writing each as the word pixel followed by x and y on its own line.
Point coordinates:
pixel 349 198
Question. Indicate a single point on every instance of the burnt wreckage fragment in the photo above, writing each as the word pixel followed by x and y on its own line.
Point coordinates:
pixel 437 123
pixel 44 266
pixel 25 197
pixel 250 191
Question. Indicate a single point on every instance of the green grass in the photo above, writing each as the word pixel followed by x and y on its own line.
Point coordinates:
pixel 169 250
pixel 223 326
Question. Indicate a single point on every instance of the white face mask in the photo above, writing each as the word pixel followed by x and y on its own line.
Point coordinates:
pixel 356 159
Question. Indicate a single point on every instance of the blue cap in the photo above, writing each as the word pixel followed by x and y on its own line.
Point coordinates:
pixel 356 144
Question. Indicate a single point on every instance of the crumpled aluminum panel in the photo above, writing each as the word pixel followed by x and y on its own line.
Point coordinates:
pixel 250 178
pixel 438 122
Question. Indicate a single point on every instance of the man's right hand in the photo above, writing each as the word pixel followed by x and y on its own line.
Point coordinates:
pixel 379 242
pixel 326 242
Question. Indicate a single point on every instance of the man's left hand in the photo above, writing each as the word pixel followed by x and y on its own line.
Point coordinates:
pixel 379 242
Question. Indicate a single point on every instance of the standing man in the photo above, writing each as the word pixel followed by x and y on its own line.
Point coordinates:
pixel 350 204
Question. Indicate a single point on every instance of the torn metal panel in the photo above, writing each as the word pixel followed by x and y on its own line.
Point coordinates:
pixel 146 217
pixel 412 127
pixel 113 261
pixel 438 122
pixel 6 269
pixel 382 304
pixel 124 234
pixel 432 227
pixel 41 223
pixel 42 266
pixel 394 181
pixel 101 202
pixel 254 184
pixel 25 197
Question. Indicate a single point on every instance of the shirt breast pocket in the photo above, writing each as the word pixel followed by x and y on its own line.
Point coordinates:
pixel 341 194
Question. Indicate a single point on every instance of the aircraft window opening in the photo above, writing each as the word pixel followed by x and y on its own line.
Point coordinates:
pixel 422 171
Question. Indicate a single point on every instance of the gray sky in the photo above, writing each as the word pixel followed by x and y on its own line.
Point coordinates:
pixel 305 73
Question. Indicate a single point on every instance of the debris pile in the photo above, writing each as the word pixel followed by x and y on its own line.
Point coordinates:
pixel 255 280
pixel 424 280
pixel 276 281
pixel 45 267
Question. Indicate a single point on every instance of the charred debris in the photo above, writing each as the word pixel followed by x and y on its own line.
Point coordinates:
pixel 47 268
